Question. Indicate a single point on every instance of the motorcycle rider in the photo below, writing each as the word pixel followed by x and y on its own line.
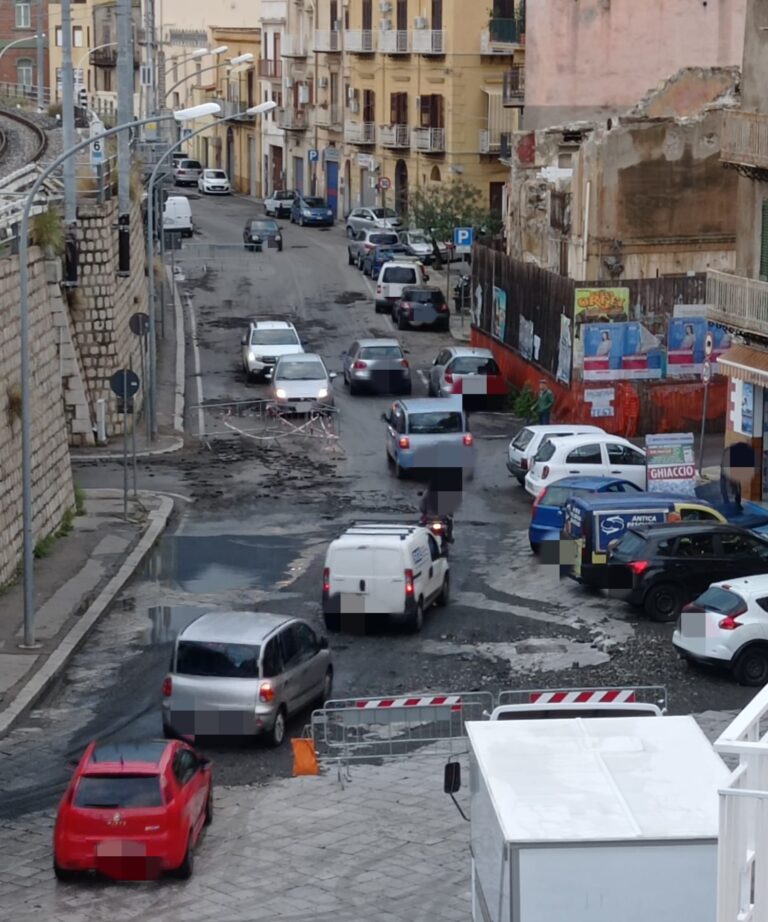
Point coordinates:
pixel 441 499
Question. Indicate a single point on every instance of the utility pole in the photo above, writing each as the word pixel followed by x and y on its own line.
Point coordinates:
pixel 40 55
pixel 68 113
pixel 124 115
pixel 149 25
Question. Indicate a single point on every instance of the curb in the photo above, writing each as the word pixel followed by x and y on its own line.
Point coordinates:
pixel 69 644
pixel 176 445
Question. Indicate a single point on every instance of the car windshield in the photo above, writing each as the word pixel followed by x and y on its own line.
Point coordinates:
pixel 720 600
pixel 264 226
pixel 384 213
pixel 559 496
pixel 522 439
pixel 215 174
pixel 474 365
pixel 422 296
pixel 300 371
pixel 223 660
pixel 381 352
pixel 123 791
pixel 435 422
pixel 273 338
pixel 190 165
pixel 283 196
pixel 417 237
pixel 314 203
pixel 546 450
pixel 386 239
pixel 631 546
pixel 399 275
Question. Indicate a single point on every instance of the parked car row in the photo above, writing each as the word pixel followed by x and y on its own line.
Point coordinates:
pixel 305 210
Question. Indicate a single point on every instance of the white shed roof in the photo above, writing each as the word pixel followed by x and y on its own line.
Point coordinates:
pixel 600 779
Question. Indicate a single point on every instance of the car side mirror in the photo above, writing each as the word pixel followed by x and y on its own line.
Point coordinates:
pixel 452 778
pixel 323 643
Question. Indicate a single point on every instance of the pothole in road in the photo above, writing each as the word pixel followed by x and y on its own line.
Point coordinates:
pixel 227 323
pixel 350 297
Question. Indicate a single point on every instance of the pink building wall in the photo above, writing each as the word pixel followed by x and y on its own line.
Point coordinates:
pixel 591 59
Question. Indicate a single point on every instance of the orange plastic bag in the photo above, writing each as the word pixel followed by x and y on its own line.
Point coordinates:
pixel 304 757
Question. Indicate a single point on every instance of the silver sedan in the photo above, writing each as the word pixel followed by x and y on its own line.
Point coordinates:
pixel 301 383
pixel 376 364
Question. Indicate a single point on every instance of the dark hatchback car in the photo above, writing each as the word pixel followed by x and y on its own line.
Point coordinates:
pixel 421 307
pixel 663 567
pixel 375 258
pixel 260 233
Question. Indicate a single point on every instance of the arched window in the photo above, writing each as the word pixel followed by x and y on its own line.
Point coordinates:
pixel 434 176
pixel 24 72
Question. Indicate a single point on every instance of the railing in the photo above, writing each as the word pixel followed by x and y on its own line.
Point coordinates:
pixel 23 94
pixel 737 302
pixel 328 115
pixel 744 138
pixel 513 91
pixel 270 69
pixel 428 140
pixel 394 41
pixel 429 42
pixel 293 46
pixel 293 119
pixel 395 136
pixel 359 41
pixel 360 132
pixel 742 848
pixel 327 41
pixel 490 141
pixel 500 34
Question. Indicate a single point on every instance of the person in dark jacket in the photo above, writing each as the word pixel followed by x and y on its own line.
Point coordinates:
pixel 736 471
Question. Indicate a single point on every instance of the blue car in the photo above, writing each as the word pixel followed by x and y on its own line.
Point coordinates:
pixel 311 210
pixel 374 259
pixel 547 515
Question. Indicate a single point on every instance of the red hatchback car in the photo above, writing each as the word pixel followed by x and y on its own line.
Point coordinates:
pixel 133 811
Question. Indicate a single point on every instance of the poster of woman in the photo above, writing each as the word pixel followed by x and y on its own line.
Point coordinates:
pixel 499 313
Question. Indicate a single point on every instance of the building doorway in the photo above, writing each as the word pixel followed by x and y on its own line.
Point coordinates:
pixel 401 188
pixel 276 155
pixel 298 174
pixel 347 188
pixel 231 157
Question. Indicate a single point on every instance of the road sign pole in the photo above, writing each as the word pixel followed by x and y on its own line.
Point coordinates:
pixel 703 427
pixel 125 443
pixel 133 439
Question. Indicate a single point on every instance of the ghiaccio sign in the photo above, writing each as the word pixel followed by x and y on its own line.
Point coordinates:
pixel 670 463
pixel 672 472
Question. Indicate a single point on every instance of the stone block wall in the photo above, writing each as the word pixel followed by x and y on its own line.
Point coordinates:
pixel 52 487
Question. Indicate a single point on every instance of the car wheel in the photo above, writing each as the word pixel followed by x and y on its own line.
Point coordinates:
pixel 663 602
pixel 416 620
pixel 399 471
pixel 406 389
pixel 187 866
pixel 327 692
pixel 354 388
pixel 350 259
pixel 332 621
pixel 430 388
pixel 535 547
pixel 751 667
pixel 209 807
pixel 277 733
pixel 63 874
pixel 520 480
pixel 350 232
pixel 444 326
pixel 301 221
pixel 445 592
pixel 402 323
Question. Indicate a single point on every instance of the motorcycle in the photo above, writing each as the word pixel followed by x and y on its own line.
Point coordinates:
pixel 462 294
pixel 441 527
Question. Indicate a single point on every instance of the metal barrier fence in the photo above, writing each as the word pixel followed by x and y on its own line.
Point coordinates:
pixel 640 694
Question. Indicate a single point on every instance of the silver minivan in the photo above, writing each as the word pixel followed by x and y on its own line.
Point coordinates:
pixel 236 673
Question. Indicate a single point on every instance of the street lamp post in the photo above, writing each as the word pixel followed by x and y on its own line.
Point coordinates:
pixel 232 62
pixel 26 379
pixel 152 375
pixel 88 53
pixel 21 41
pixel 194 55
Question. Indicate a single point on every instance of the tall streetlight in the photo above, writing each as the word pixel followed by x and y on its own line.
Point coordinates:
pixel 183 115
pixel 152 371
pixel 232 62
pixel 195 55
pixel 90 52
pixel 21 41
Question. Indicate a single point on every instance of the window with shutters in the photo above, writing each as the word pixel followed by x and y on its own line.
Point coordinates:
pixel 764 243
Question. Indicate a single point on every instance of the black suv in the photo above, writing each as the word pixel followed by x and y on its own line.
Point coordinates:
pixel 662 567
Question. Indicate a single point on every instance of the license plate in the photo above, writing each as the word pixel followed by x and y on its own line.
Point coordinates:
pixel 116 848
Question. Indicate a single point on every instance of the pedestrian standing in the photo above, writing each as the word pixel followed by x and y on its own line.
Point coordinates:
pixel 545 403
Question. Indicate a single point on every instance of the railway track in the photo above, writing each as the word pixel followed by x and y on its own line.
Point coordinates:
pixel 22 141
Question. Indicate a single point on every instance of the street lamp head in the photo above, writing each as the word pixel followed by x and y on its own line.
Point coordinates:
pixel 262 108
pixel 220 50
pixel 200 53
pixel 242 58
pixel 188 115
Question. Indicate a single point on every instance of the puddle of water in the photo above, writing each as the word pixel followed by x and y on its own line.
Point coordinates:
pixel 167 620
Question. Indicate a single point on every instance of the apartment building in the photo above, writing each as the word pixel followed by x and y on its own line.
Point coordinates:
pixel 328 114
pixel 18 27
pixel 273 18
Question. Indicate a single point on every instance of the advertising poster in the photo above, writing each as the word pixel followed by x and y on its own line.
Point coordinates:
pixel 747 409
pixel 621 351
pixel 601 399
pixel 526 338
pixel 565 351
pixel 499 313
pixel 601 305
pixel 670 464
pixel 685 344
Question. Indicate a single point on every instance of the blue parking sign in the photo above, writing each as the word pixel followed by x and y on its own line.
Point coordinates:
pixel 314 156
pixel 462 238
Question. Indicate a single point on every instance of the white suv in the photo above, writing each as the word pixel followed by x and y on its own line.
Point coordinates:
pixel 264 343
pixel 393 278
pixel 728 626
pixel 523 447
pixel 594 455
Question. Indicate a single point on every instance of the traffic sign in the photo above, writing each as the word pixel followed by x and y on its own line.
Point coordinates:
pixel 314 156
pixel 139 323
pixel 706 371
pixel 97 152
pixel 708 345
pixel 124 383
pixel 385 183
pixel 463 238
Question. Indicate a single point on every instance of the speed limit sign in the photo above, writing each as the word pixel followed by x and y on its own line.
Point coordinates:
pixel 385 183
pixel 708 344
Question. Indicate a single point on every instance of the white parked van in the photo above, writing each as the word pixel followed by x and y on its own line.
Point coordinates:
pixel 177 215
pixel 383 569
pixel 393 278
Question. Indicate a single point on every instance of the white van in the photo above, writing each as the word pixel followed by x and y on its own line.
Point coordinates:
pixel 177 215
pixel 393 278
pixel 383 569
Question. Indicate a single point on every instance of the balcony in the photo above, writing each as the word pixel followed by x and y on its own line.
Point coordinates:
pixel 293 46
pixel 293 119
pixel 359 41
pixel 503 36
pixel 360 132
pixel 428 140
pixel 429 42
pixel 738 302
pixel 513 92
pixel 272 70
pixel 328 41
pixel 394 41
pixel 328 116
pixel 395 136
pixel 490 142
pixel 744 142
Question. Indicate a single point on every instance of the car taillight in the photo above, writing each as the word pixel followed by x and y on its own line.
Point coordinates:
pixel 403 363
pixel 468 439
pixel 523 464
pixel 443 309
pixel 368 247
pixel 360 364
pixel 545 471
pixel 266 692
pixel 638 567
pixel 409 590
pixel 167 687
pixel 448 378
pixel 730 623
pixel 540 496
pixel 326 580
pixel 404 442
pixel 436 526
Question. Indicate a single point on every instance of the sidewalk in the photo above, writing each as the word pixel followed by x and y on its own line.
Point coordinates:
pixel 461 324
pixel 74 585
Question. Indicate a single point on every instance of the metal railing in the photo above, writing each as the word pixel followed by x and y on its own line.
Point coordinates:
pixel 429 41
pixel 293 119
pixel 742 849
pixel 428 140
pixel 394 41
pixel 737 302
pixel 270 69
pixel 501 32
pixel 360 41
pixel 744 138
pixel 293 46
pixel 328 40
pixel 395 136
pixel 513 88
pixel 360 132
pixel 328 115
pixel 23 94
